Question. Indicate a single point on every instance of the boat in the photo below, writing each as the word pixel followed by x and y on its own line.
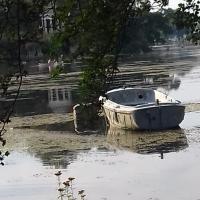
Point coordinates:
pixel 141 109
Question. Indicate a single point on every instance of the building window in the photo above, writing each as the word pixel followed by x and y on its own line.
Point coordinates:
pixel 60 94
pixel 48 25
pixel 54 95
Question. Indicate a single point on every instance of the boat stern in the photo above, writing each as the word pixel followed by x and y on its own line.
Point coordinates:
pixel 159 117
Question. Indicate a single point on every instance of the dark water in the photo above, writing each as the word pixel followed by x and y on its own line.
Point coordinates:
pixel 141 166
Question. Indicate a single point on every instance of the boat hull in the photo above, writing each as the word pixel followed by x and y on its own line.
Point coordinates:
pixel 155 117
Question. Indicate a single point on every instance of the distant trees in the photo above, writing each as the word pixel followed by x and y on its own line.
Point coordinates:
pixel 188 16
pixel 98 31
pixel 150 29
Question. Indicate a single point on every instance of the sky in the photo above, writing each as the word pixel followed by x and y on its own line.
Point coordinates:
pixel 174 3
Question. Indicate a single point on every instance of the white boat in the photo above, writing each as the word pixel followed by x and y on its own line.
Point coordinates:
pixel 142 108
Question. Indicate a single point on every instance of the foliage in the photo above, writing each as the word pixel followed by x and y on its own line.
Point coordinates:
pixel 152 28
pixel 23 15
pixel 187 16
pixel 95 31
pixel 55 72
pixel 19 22
pixel 2 156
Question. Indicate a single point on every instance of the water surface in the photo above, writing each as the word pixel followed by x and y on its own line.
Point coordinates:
pixel 115 165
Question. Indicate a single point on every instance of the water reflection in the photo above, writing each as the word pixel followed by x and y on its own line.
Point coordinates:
pixel 174 83
pixel 177 75
pixel 60 99
pixel 148 142
pixel 100 172
pixel 170 70
pixel 59 159
pixel 54 100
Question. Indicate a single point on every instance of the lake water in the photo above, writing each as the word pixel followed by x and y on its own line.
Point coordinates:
pixel 124 165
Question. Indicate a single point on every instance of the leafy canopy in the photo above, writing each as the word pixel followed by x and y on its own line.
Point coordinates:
pixel 188 16
pixel 95 31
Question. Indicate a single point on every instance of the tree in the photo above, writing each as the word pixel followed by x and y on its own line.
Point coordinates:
pixel 19 22
pixel 187 16
pixel 95 30
pixel 152 28
pixel 92 30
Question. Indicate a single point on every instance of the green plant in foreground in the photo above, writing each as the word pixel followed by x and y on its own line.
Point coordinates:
pixel 66 190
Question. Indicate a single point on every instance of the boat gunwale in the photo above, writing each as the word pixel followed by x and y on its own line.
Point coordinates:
pixel 119 107
pixel 173 101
